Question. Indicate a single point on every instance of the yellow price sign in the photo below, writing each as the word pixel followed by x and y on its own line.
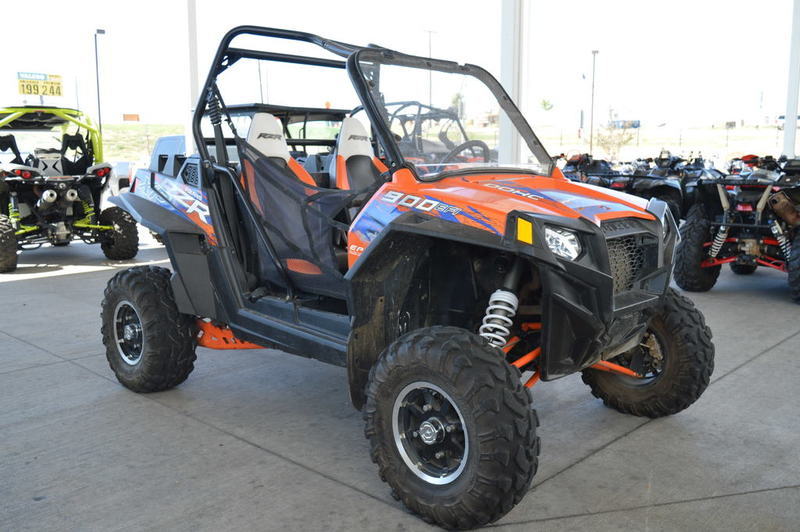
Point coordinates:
pixel 30 84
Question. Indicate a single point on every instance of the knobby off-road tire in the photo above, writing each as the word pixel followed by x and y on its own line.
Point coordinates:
pixel 688 361
pixel 8 245
pixel 123 242
pixel 502 446
pixel 743 269
pixel 793 265
pixel 142 297
pixel 688 273
pixel 673 200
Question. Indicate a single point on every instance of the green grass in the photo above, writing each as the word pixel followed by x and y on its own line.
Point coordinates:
pixel 714 143
pixel 134 142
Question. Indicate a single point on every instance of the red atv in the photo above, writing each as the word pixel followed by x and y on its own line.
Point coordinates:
pixel 445 296
pixel 748 219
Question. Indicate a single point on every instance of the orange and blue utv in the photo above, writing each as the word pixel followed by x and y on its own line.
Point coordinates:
pixel 446 289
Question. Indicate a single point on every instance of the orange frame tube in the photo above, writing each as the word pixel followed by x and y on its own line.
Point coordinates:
pixel 610 367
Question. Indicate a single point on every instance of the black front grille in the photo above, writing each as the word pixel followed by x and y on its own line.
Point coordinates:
pixel 626 256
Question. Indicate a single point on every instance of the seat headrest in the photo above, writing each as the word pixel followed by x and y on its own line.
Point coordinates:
pixel 266 135
pixel 72 142
pixel 353 139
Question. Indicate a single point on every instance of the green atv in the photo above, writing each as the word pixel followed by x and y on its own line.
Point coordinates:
pixel 51 195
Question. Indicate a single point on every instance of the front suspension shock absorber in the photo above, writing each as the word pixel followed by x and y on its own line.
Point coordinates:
pixel 496 327
pixel 780 236
pixel 503 304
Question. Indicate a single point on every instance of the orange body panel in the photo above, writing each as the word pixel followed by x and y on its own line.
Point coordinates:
pixel 484 200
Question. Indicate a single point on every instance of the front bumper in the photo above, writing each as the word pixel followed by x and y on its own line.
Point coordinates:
pixel 598 305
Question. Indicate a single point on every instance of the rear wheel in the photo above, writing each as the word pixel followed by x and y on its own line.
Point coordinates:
pixel 8 245
pixel 743 269
pixel 150 345
pixel 793 265
pixel 451 427
pixel 691 252
pixel 121 243
pixel 676 359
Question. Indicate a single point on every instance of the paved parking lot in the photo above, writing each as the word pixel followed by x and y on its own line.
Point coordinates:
pixel 263 440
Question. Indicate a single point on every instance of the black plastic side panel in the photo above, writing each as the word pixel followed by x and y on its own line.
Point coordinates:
pixel 154 217
pixel 188 253
pixel 192 278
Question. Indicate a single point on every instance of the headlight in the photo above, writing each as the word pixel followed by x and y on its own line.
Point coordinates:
pixel 562 242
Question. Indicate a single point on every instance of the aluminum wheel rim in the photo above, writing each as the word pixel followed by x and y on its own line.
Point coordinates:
pixel 128 333
pixel 432 441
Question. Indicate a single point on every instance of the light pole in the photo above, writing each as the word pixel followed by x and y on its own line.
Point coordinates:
pixel 591 109
pixel 97 77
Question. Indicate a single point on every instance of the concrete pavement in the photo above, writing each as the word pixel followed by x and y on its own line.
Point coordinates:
pixel 264 440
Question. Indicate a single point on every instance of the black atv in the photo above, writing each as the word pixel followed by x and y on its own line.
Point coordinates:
pixel 446 296
pixel 51 195
pixel 745 220
pixel 583 168
pixel 663 177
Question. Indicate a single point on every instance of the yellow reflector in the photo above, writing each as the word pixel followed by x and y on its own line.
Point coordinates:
pixel 524 231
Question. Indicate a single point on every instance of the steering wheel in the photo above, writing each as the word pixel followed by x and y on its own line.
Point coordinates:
pixel 470 144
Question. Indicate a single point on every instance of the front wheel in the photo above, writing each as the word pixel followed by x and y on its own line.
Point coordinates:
pixel 150 345
pixel 121 242
pixel 8 245
pixel 675 358
pixel 673 200
pixel 450 427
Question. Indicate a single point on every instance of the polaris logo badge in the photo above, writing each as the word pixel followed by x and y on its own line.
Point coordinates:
pixel 358 137
pixel 269 136
pixel 512 190
pixel 415 202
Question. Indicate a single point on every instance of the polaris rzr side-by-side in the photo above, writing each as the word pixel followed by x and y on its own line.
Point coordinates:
pixel 446 296
pixel 51 194
pixel 746 220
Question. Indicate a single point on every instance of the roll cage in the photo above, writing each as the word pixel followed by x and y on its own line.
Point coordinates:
pixel 44 118
pixel 358 61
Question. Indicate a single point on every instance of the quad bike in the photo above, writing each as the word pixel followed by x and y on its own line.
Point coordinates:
pixel 638 178
pixel 445 297
pixel 746 220
pixel 52 195
pixel 584 168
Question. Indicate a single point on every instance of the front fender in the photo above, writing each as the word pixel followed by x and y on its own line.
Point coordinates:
pixel 642 184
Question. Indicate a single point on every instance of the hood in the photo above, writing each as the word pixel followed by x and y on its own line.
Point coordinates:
pixel 494 196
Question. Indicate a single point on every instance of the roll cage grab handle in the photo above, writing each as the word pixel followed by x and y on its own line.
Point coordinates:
pixel 227 56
